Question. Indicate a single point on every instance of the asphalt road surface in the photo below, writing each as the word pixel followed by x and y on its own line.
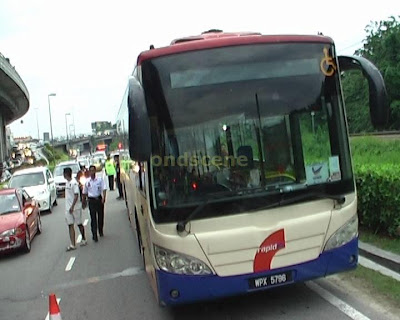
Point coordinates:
pixel 105 280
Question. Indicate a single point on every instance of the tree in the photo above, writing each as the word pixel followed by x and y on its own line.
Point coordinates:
pixel 381 47
pixel 355 91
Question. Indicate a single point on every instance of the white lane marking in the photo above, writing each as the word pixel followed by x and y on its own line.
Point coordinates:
pixel 341 305
pixel 79 239
pixel 85 222
pixel 381 269
pixel 48 313
pixel 70 264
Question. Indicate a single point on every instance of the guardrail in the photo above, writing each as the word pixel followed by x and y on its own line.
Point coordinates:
pixel 376 133
pixel 86 138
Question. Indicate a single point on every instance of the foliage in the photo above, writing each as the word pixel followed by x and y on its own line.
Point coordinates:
pixel 114 144
pixel 316 146
pixel 54 156
pixel 48 152
pixel 355 91
pixel 373 150
pixel 382 47
pixel 101 126
pixel 378 183
pixel 379 197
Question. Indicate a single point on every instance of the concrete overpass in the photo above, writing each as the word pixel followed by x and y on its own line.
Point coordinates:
pixel 14 100
pixel 85 144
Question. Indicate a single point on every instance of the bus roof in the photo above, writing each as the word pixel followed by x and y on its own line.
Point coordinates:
pixel 215 39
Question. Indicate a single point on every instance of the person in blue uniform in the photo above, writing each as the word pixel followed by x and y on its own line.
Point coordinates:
pixel 94 194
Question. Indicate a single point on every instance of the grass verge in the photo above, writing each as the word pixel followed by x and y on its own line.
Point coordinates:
pixel 372 281
pixel 382 242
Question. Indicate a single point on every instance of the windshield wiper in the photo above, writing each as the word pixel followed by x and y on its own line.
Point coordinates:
pixel 181 225
pixel 340 199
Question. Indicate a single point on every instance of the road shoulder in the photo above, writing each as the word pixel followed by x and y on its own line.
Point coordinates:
pixel 366 293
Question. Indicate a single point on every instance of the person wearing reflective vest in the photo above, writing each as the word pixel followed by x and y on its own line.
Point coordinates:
pixel 110 172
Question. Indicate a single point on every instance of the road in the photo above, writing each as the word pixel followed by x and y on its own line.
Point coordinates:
pixel 105 280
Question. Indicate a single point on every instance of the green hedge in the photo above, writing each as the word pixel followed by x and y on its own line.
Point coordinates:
pixel 378 190
pixel 377 172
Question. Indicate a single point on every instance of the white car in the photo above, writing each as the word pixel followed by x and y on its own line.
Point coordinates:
pixel 59 174
pixel 99 155
pixel 38 182
pixel 84 161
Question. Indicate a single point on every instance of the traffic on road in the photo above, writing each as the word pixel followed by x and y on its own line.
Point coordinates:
pixel 106 280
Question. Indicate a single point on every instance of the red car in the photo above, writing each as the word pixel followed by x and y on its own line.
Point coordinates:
pixel 19 220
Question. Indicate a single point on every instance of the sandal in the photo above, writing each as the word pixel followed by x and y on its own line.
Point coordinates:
pixel 70 248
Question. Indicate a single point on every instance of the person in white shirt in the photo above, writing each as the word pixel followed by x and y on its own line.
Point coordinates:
pixel 95 190
pixel 73 209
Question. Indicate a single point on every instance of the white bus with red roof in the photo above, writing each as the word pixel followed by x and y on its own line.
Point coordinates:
pixel 240 176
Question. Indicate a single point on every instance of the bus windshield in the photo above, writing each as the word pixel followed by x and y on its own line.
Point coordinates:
pixel 243 123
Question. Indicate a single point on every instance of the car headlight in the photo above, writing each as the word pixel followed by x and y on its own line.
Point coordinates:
pixel 8 233
pixel 344 235
pixel 179 263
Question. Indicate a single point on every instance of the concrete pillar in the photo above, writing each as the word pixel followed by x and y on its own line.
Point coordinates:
pixel 3 138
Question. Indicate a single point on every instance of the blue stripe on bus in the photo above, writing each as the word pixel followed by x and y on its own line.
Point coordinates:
pixel 198 288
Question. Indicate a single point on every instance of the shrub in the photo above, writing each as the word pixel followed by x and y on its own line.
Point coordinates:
pixel 378 183
pixel 379 197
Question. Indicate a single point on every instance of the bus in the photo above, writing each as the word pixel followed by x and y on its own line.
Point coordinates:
pixel 239 174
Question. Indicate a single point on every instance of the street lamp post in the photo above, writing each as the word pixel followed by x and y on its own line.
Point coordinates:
pixel 37 124
pixel 71 131
pixel 312 122
pixel 73 122
pixel 66 125
pixel 51 126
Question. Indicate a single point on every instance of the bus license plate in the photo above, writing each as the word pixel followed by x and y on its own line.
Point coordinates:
pixel 270 280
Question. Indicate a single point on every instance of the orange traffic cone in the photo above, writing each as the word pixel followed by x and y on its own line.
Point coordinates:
pixel 54 309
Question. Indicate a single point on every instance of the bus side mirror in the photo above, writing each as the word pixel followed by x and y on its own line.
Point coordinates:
pixel 139 123
pixel 378 100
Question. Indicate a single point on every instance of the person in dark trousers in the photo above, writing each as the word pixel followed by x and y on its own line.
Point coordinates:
pixel 94 193
pixel 118 176
pixel 110 172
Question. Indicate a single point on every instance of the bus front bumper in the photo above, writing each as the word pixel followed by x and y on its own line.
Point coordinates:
pixel 176 289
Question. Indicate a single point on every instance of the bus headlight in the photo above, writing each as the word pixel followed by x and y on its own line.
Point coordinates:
pixel 344 235
pixel 179 263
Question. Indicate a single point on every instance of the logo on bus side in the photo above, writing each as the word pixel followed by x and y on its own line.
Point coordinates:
pixel 267 250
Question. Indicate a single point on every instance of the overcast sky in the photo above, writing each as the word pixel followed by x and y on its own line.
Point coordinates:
pixel 84 51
